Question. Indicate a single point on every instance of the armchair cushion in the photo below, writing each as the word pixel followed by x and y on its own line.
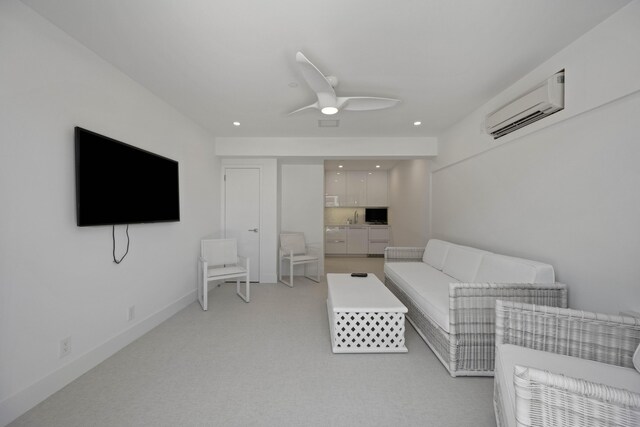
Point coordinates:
pixel 636 359
pixel 293 242
pixel 508 356
pixel 435 253
pixel 223 271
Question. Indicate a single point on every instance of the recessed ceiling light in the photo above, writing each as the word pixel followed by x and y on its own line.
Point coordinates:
pixel 337 173
pixel 329 110
pixel 340 166
pixel 236 123
pixel 417 123
pixel 378 166
pixel 370 173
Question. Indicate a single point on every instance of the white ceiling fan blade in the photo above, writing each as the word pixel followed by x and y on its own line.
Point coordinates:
pixel 365 103
pixel 316 80
pixel 314 105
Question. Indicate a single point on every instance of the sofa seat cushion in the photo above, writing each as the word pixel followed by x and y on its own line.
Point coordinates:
pixel 426 286
pixel 508 356
pixel 462 263
pixel 496 268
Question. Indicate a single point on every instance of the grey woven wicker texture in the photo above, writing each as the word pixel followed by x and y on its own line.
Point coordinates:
pixel 403 254
pixel 592 336
pixel 548 399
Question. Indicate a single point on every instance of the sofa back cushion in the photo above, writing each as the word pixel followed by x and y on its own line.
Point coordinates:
pixel 462 262
pixel 435 253
pixel 496 268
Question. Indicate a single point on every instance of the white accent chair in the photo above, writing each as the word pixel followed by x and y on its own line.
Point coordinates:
pixel 219 260
pixel 294 250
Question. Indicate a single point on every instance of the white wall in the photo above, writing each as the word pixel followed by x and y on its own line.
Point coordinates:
pixel 56 279
pixel 302 208
pixel 269 213
pixel 409 202
pixel 564 190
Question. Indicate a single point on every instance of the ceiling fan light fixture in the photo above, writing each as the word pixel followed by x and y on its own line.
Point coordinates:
pixel 329 110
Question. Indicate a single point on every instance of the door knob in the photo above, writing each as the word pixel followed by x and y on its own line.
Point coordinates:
pixel 255 230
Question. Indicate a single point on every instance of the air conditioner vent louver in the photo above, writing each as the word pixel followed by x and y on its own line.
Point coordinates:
pixel 540 102
pixel 518 124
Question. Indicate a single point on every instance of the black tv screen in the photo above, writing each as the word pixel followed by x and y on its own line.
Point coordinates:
pixel 375 215
pixel 117 183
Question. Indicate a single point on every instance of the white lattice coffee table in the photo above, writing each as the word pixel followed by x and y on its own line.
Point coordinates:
pixel 364 316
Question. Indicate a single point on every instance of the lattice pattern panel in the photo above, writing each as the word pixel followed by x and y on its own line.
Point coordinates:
pixel 368 330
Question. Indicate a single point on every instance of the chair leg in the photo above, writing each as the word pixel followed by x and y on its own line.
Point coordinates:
pixel 247 289
pixel 317 278
pixel 205 295
pixel 290 282
pixel 291 274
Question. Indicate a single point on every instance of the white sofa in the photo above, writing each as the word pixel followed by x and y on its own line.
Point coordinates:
pixel 450 293
pixel 562 367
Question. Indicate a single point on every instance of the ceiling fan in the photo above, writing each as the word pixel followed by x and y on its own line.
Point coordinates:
pixel 328 103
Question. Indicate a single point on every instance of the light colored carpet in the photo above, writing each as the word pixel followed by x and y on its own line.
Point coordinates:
pixel 266 363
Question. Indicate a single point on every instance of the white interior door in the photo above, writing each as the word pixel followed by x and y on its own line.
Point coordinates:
pixel 242 214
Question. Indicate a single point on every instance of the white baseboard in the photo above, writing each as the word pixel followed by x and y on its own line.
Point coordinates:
pixel 20 402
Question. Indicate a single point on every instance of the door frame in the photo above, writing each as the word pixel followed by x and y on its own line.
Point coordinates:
pixel 223 204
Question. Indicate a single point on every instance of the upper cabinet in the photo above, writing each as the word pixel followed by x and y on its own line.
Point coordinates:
pixel 377 189
pixel 356 189
pixel 335 189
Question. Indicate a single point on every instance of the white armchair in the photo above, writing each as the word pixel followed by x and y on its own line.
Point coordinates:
pixel 563 367
pixel 219 260
pixel 294 250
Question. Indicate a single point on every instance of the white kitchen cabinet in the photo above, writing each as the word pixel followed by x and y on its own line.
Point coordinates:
pixel 357 240
pixel 335 189
pixel 357 188
pixel 379 238
pixel 377 189
pixel 335 240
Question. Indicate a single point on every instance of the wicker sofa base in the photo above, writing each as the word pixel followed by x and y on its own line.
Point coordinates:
pixel 438 340
pixel 470 349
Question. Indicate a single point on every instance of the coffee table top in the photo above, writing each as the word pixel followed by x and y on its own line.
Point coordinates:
pixel 363 294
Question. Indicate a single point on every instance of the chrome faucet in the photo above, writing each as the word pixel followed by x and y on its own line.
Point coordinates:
pixel 355 216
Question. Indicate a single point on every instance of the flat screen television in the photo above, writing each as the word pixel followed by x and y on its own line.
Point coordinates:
pixel 375 215
pixel 117 183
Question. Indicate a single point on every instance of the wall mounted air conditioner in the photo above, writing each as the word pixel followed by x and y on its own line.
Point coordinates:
pixel 543 100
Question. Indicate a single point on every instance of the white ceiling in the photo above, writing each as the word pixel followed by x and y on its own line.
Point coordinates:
pixel 225 61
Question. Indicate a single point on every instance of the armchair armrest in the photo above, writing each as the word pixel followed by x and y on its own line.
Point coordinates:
pixel 403 254
pixel 594 336
pixel 548 397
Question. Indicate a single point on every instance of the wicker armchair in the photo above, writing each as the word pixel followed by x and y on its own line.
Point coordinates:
pixel 544 398
pixel 467 349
